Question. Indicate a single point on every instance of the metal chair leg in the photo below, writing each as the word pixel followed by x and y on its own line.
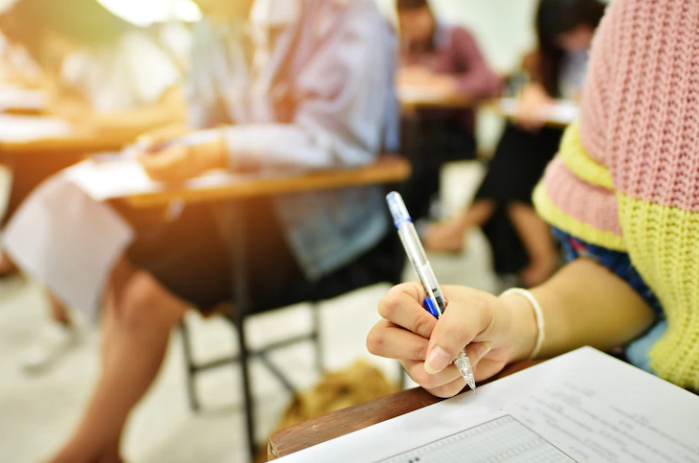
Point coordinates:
pixel 317 339
pixel 247 387
pixel 235 228
pixel 194 404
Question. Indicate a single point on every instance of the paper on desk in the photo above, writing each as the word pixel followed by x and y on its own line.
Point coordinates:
pixel 584 406
pixel 20 98
pixel 125 177
pixel 563 112
pixel 30 128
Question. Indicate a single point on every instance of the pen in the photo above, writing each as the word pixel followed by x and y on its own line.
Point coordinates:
pixel 435 303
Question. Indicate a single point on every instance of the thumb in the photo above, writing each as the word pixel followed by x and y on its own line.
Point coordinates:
pixel 458 327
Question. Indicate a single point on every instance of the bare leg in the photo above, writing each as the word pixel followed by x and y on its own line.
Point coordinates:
pixel 139 315
pixel 536 237
pixel 449 236
pixel 7 267
pixel 58 311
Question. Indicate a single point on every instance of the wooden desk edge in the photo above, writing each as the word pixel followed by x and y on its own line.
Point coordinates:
pixel 389 169
pixel 343 422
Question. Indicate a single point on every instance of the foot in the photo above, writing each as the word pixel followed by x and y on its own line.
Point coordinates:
pixel 55 341
pixel 537 273
pixel 445 237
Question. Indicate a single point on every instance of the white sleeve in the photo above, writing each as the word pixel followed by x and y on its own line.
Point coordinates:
pixel 148 69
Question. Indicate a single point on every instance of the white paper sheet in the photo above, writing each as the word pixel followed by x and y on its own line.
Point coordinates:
pixel 13 98
pixel 69 242
pixel 563 112
pixel 122 177
pixel 30 128
pixel 584 406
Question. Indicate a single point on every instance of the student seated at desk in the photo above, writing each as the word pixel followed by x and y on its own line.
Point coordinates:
pixel 623 197
pixel 520 240
pixel 448 60
pixel 325 103
pixel 104 75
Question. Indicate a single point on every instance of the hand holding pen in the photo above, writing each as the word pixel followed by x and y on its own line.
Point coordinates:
pixel 495 330
pixel 435 302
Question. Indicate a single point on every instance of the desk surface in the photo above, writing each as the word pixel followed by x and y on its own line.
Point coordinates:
pixel 414 97
pixel 388 169
pixel 342 422
pixel 32 134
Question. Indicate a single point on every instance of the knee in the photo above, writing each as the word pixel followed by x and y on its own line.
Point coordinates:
pixel 144 306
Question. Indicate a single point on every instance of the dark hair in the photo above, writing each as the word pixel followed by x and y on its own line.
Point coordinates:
pixel 556 17
pixel 85 22
pixel 404 5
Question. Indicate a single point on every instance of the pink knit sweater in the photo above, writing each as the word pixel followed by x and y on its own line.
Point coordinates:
pixel 627 176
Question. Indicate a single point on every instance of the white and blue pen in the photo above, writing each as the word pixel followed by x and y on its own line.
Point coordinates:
pixel 435 302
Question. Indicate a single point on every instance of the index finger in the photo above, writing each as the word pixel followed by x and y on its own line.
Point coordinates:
pixel 403 305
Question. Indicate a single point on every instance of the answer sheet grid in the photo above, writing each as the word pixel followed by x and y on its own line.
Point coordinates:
pixel 499 440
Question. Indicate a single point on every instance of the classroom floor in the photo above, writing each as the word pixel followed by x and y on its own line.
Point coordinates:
pixel 38 412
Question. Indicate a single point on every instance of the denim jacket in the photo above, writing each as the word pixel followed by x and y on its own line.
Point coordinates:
pixel 323 99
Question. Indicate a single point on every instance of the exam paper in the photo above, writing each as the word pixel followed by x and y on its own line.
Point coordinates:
pixel 584 406
pixel 123 177
pixel 12 98
pixel 21 129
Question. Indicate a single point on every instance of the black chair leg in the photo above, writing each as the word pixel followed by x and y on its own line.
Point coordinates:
pixel 194 404
pixel 247 388
pixel 317 339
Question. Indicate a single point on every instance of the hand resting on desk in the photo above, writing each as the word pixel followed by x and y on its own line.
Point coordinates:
pixel 177 162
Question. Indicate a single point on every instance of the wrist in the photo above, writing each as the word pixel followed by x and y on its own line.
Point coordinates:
pixel 523 330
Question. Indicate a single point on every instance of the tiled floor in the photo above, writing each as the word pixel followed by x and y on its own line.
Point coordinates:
pixel 37 413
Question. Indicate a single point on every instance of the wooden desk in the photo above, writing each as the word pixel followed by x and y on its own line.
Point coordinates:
pixel 388 169
pixel 414 97
pixel 342 422
pixel 232 190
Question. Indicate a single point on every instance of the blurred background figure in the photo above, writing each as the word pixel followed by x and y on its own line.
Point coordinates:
pixel 522 243
pixel 105 76
pixel 304 84
pixel 443 59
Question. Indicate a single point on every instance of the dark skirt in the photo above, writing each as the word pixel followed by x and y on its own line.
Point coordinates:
pixel 429 140
pixel 519 163
pixel 191 258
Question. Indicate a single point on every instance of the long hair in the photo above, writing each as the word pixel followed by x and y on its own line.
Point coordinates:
pixel 409 5
pixel 555 17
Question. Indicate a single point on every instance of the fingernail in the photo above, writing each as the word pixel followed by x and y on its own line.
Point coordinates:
pixel 437 361
pixel 484 349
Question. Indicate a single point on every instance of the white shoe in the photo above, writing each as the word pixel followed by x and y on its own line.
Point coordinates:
pixel 54 342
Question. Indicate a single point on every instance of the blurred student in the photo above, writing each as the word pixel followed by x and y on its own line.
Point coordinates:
pixel 315 91
pixel 521 241
pixel 446 59
pixel 104 75
pixel 622 196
